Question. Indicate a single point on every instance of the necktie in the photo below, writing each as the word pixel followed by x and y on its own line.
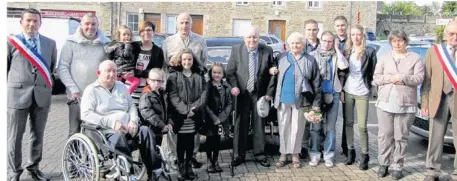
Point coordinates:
pixel 453 49
pixel 33 46
pixel 250 86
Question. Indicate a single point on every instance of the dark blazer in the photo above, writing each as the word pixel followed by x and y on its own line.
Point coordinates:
pixel 369 61
pixel 22 83
pixel 238 69
pixel 179 106
pixel 156 60
pixel 217 108
pixel 153 110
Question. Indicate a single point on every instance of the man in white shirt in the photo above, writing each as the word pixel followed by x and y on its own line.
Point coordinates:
pixel 107 103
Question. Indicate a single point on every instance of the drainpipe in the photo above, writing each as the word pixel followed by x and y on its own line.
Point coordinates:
pixel 118 13
pixel 350 12
pixel 111 18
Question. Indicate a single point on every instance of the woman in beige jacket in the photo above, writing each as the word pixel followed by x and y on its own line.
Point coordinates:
pixel 397 74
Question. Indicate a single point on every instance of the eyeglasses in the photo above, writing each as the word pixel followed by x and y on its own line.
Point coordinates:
pixel 156 80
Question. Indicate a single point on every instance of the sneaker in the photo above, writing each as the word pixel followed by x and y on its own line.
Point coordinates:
pixel 314 162
pixel 329 163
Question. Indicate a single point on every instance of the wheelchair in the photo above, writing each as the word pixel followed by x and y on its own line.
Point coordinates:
pixel 86 157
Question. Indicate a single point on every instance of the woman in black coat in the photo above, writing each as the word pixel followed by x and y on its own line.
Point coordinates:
pixel 187 100
pixel 218 110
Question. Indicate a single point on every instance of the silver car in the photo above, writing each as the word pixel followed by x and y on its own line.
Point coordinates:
pixel 275 43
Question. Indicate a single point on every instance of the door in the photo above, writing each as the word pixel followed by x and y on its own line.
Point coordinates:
pixel 197 24
pixel 154 19
pixel 240 26
pixel 278 28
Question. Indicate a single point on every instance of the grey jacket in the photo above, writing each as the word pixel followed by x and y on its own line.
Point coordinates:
pixel 310 79
pixel 173 44
pixel 23 83
pixel 411 71
pixel 79 61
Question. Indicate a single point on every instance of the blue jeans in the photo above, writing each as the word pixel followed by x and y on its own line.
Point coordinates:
pixel 326 127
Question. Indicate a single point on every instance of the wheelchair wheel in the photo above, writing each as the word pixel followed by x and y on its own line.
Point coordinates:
pixel 139 169
pixel 80 159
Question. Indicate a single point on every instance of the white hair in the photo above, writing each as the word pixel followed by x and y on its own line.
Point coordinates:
pixel 250 30
pixel 296 37
pixel 105 63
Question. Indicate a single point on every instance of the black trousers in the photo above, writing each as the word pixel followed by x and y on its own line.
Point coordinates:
pixel 185 146
pixel 247 113
pixel 74 118
pixel 344 145
pixel 147 144
pixel 213 144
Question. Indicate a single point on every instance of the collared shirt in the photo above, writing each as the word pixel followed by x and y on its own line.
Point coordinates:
pixel 186 40
pixel 342 43
pixel 37 42
pixel 449 49
pixel 103 107
pixel 309 47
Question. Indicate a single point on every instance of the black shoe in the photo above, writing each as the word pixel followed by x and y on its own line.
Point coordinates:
pixel 211 169
pixel 383 170
pixel 264 162
pixel 397 175
pixel 189 171
pixel 217 167
pixel 364 162
pixel 38 175
pixel 304 153
pixel 431 178
pixel 351 157
pixel 195 163
pixel 181 171
pixel 14 177
pixel 237 161
pixel 345 151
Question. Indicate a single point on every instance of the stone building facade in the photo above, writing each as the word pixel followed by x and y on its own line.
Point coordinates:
pixel 219 18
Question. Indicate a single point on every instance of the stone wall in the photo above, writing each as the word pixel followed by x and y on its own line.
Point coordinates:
pixel 218 16
pixel 419 25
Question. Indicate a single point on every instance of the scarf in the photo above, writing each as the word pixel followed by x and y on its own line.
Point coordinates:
pixel 322 57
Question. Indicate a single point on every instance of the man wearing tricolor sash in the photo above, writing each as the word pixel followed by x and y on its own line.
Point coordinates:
pixel 31 61
pixel 438 98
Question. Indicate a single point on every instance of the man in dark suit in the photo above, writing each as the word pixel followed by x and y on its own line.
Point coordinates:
pixel 247 73
pixel 29 90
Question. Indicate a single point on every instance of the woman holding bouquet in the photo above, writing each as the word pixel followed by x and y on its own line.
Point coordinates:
pixel 330 59
pixel 297 91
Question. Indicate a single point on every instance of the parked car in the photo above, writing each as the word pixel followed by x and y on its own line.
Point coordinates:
pixel 158 38
pixel 275 43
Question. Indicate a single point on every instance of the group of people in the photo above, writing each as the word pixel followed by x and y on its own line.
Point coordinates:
pixel 183 99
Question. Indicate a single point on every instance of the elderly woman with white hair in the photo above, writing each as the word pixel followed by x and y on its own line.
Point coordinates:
pixel 298 90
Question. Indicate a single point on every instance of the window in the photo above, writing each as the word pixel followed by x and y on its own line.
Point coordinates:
pixel 14 12
pixel 243 3
pixel 277 3
pixel 171 24
pixel 132 22
pixel 314 4
pixel 266 39
pixel 275 40
pixel 240 26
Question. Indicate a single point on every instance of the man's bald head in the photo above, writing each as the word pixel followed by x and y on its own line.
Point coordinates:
pixel 105 64
pixel 251 38
pixel 450 33
pixel 184 24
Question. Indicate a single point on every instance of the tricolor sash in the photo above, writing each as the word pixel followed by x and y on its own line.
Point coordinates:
pixel 447 62
pixel 33 57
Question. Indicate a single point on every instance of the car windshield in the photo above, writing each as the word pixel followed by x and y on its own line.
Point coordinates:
pixel 219 55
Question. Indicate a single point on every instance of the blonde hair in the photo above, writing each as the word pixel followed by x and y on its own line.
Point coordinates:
pixel 176 60
pixel 159 72
pixel 117 36
pixel 350 45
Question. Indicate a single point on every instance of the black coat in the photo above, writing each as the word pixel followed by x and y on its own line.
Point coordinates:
pixel 153 110
pixel 369 61
pixel 178 104
pixel 238 69
pixel 122 54
pixel 217 108
pixel 156 60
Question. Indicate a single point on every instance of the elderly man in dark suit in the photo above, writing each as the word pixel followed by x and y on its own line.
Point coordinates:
pixel 247 73
pixel 31 60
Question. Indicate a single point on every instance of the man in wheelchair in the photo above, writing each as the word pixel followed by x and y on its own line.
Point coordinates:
pixel 107 103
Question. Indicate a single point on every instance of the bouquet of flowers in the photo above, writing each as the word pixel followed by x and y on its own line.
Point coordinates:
pixel 312 116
